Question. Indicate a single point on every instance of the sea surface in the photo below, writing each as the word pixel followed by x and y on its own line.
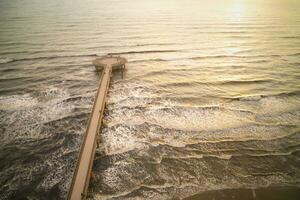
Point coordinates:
pixel 209 102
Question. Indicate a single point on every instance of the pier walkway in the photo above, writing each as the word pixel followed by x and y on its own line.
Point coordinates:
pixel 81 178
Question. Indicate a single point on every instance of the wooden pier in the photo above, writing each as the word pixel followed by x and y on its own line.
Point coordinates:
pixel 81 178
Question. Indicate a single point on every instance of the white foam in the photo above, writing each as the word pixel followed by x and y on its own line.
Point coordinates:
pixel 169 122
pixel 270 105
pixel 120 140
pixel 17 102
pixel 195 119
pixel 25 114
pixel 5 60
pixel 126 92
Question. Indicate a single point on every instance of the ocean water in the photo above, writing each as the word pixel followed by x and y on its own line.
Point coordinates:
pixel 209 102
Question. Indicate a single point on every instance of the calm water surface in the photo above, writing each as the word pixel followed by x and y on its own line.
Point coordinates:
pixel 210 99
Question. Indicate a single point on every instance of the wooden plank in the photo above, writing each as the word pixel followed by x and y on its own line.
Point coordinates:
pixel 81 178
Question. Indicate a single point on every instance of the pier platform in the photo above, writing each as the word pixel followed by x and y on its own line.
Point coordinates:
pixel 115 62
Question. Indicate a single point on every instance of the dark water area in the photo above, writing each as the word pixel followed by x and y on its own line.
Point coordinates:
pixel 275 193
pixel 209 106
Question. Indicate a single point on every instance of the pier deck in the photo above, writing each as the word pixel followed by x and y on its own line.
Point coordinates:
pixel 81 178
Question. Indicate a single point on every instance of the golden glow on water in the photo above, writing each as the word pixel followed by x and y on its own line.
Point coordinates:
pixel 237 10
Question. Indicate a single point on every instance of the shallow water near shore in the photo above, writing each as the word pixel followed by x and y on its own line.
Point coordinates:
pixel 209 103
